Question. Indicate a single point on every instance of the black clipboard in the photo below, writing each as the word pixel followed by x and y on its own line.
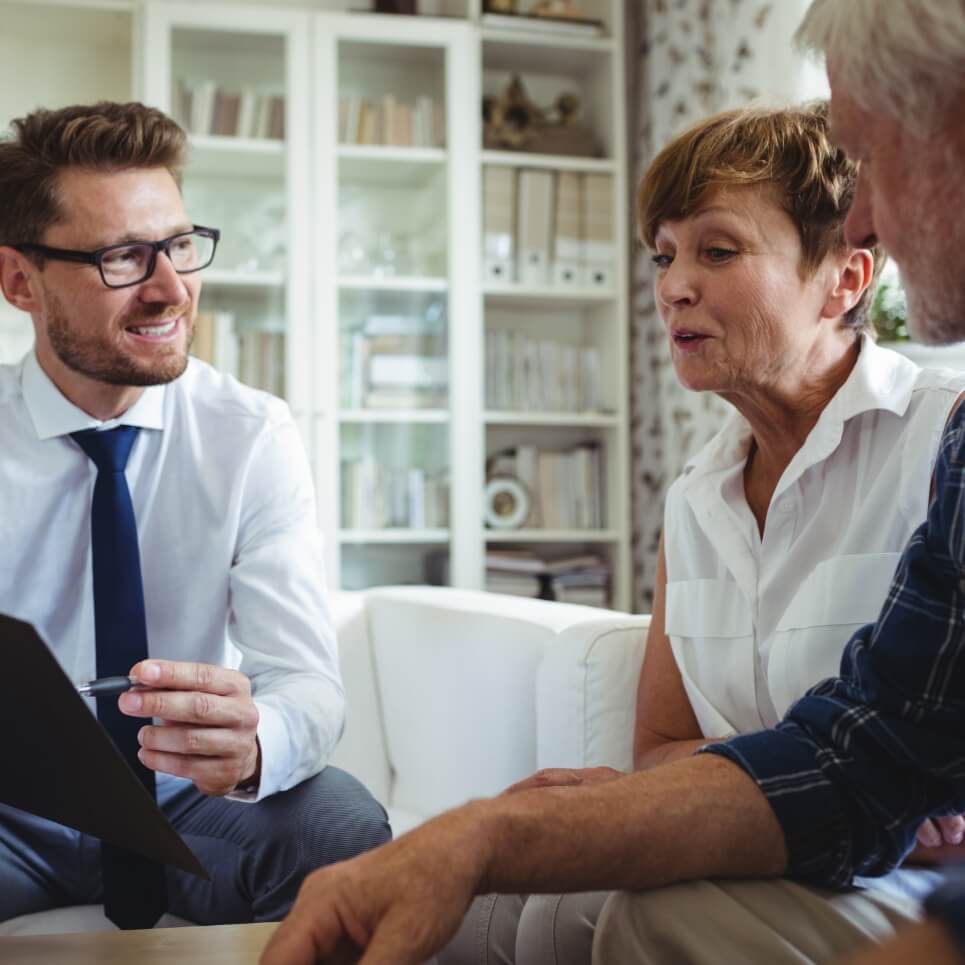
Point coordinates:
pixel 59 763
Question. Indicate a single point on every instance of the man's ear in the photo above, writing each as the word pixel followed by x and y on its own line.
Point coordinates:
pixel 852 275
pixel 18 279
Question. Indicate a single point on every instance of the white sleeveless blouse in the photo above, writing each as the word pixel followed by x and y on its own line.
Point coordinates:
pixel 753 621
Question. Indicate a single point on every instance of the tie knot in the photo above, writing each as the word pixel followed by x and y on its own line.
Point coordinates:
pixel 107 449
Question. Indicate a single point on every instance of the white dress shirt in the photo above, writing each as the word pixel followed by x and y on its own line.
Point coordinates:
pixel 230 550
pixel 755 621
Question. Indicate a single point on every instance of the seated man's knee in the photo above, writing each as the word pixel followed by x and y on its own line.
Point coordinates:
pixel 335 818
pixel 634 926
pixel 558 929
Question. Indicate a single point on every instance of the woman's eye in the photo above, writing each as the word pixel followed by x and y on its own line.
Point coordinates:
pixel 661 261
pixel 719 254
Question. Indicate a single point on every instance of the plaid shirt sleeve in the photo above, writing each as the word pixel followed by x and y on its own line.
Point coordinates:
pixel 863 758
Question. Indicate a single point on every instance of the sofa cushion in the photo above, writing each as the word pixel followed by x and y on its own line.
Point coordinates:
pixel 586 694
pixel 456 671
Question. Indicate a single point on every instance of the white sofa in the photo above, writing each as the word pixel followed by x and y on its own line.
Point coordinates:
pixel 455 694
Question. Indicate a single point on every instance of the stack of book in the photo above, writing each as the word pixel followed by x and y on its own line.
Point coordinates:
pixel 206 108
pixel 581 578
pixel 390 122
pixel 215 341
pixel 376 496
pixel 396 363
pixel 565 487
pixel 261 360
pixel 543 227
pixel 541 375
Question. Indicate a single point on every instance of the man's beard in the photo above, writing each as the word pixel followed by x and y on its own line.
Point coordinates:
pixel 100 358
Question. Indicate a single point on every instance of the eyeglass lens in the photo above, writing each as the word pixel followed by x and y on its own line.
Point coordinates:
pixel 132 263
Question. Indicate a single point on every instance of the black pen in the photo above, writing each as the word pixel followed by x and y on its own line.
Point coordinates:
pixel 107 686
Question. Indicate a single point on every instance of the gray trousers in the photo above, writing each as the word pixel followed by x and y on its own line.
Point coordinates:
pixel 256 854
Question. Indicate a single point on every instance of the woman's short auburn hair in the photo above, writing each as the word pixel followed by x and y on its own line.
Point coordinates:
pixel 787 149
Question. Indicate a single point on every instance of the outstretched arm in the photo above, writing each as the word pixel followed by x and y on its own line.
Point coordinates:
pixel 698 818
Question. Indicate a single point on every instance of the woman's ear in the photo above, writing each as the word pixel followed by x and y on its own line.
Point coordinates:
pixel 853 272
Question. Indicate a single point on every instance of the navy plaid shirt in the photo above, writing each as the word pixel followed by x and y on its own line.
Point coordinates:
pixel 863 758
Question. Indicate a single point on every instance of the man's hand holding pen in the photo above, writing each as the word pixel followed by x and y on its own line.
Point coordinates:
pixel 207 723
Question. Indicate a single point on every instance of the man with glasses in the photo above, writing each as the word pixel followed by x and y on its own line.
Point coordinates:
pixel 157 519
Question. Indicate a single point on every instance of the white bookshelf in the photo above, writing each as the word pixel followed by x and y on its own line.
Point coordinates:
pixel 363 230
pixel 554 162
pixel 394 536
pixel 393 415
pixel 53 54
pixel 566 419
pixel 216 278
pixel 537 536
pixel 397 283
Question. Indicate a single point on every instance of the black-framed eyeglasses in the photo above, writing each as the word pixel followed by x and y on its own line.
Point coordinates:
pixel 129 264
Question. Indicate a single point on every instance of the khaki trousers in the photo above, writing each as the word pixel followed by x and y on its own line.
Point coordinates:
pixel 775 922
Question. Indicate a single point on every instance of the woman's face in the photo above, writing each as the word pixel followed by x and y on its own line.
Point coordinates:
pixel 730 291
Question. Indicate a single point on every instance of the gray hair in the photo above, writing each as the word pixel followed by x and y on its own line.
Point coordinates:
pixel 903 57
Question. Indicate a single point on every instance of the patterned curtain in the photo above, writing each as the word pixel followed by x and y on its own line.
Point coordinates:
pixel 688 59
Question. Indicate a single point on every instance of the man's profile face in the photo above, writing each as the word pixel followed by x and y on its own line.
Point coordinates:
pixel 910 196
pixel 125 336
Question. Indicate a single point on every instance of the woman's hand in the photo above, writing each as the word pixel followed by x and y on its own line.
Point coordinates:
pixel 566 777
pixel 935 832
pixel 938 840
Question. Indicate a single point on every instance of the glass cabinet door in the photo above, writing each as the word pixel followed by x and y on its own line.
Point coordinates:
pixel 388 117
pixel 226 75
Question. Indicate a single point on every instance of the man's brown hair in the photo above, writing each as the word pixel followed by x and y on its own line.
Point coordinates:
pixel 786 149
pixel 102 137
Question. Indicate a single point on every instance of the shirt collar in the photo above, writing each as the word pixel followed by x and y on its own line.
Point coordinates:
pixel 54 415
pixel 880 379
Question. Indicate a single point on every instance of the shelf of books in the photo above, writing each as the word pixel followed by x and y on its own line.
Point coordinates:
pixel 555 310
pixel 236 80
pixel 389 178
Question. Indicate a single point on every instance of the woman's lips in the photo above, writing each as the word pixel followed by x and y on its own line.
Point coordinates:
pixel 687 341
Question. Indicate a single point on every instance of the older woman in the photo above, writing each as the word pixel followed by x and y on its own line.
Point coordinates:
pixel 783 532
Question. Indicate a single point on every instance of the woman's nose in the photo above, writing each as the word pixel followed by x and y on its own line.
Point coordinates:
pixel 675 284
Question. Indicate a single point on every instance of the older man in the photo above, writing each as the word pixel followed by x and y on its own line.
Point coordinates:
pixel 839 788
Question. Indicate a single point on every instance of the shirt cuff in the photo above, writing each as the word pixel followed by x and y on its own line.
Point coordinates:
pixel 947 904
pixel 807 805
pixel 273 738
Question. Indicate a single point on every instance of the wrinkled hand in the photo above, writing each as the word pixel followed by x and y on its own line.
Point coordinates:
pixel 207 723
pixel 400 903
pixel 565 777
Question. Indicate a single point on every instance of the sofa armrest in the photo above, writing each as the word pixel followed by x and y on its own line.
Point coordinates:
pixel 586 693
pixel 361 751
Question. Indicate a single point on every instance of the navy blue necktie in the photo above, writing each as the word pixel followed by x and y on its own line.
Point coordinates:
pixel 134 894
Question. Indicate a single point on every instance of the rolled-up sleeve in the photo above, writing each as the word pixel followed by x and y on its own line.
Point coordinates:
pixel 863 758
